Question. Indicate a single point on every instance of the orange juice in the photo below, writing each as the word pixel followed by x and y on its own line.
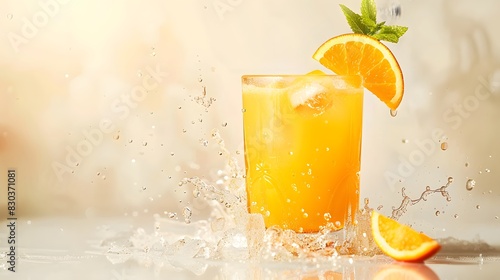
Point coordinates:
pixel 302 137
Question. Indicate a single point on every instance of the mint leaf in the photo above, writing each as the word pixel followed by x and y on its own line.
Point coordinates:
pixel 386 37
pixel 354 20
pixel 369 23
pixel 390 33
pixel 366 23
pixel 394 29
pixel 369 10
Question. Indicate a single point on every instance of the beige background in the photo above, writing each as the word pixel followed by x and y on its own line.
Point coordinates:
pixel 73 72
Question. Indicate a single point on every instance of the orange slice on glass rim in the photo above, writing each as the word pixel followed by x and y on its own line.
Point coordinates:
pixel 401 242
pixel 358 54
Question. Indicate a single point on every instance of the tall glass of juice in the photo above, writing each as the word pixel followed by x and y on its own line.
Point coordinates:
pixel 302 137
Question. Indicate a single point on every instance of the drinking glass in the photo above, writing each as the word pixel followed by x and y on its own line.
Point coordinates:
pixel 302 137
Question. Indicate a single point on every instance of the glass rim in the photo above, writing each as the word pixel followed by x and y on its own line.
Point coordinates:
pixel 264 80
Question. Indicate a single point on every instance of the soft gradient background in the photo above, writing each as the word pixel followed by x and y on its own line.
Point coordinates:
pixel 69 67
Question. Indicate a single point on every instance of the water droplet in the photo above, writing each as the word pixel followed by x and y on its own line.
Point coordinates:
pixel 200 79
pixel 144 188
pixel 243 110
pixel 187 214
pixel 224 124
pixel 450 180
pixel 404 141
pixel 393 113
pixel 380 207
pixel 305 215
pixel 478 206
pixel 145 143
pixel 496 217
pixel 171 215
pixel 466 164
pixel 487 170
pixel 204 142
pixel 268 213
pixel 10 16
pixel 455 216
pixel 470 184
pixel 444 146
pixel 196 193
pixel 438 213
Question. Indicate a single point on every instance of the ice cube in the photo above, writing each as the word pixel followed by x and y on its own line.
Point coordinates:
pixel 306 94
pixel 311 98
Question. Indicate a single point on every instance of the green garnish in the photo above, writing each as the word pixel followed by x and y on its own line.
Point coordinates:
pixel 366 23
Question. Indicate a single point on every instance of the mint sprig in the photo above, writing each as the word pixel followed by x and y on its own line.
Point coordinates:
pixel 366 23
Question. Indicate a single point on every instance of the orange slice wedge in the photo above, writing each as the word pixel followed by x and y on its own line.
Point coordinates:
pixel 358 54
pixel 401 242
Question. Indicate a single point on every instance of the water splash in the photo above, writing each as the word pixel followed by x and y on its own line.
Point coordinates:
pixel 230 233
pixel 407 201
pixel 203 100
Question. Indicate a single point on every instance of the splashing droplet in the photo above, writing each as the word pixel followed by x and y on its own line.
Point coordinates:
pixel 204 142
pixel 187 214
pixel 444 146
pixel 470 184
